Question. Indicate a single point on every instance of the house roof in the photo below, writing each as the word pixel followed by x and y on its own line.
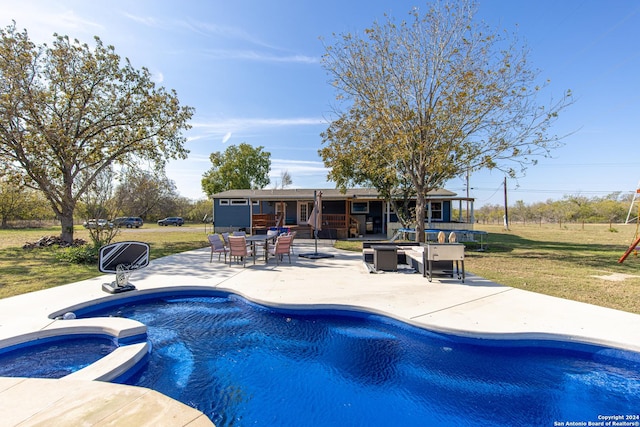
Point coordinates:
pixel 305 193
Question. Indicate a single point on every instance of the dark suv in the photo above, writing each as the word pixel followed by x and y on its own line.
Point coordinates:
pixel 128 221
pixel 172 220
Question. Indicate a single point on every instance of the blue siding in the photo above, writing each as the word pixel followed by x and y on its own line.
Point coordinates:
pixel 231 216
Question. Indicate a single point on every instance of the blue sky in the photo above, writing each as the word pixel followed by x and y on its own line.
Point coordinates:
pixel 251 69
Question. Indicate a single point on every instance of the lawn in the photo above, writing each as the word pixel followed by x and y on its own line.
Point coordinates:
pixel 24 270
pixel 569 261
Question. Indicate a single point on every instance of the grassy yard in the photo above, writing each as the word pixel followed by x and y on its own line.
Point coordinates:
pixel 31 270
pixel 574 262
pixel 569 261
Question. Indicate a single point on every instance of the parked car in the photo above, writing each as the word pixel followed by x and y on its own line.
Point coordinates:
pixel 128 221
pixel 172 220
pixel 97 223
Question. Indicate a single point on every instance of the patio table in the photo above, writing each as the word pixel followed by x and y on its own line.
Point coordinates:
pixel 257 238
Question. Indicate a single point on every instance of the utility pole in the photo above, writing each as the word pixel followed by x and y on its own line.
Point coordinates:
pixel 506 209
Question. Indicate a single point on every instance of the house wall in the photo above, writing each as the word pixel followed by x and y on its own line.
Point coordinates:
pixel 229 217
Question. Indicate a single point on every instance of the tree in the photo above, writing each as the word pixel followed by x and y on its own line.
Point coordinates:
pixel 68 111
pixel 13 202
pixel 240 167
pixel 98 203
pixel 146 194
pixel 425 100
pixel 285 180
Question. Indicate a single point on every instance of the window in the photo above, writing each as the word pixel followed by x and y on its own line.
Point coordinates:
pixel 436 211
pixel 360 207
pixel 234 202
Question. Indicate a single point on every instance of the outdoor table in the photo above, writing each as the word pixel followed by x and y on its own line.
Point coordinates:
pixel 385 257
pixel 256 238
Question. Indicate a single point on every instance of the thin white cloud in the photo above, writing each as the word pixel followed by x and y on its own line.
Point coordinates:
pixel 304 173
pixel 223 126
pixel 226 137
pixel 208 29
pixel 144 20
pixel 297 167
pixel 252 55
pixel 42 20
pixel 205 130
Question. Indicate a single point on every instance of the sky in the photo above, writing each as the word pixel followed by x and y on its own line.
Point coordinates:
pixel 252 71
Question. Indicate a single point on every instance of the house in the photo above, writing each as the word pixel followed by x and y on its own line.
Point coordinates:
pixel 356 213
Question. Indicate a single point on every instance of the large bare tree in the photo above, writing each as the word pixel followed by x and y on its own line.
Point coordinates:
pixel 426 99
pixel 68 111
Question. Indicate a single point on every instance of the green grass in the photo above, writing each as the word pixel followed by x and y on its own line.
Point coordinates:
pixel 24 271
pixel 563 262
pixel 549 259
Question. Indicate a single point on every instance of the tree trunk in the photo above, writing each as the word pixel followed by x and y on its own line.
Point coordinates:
pixel 420 208
pixel 66 220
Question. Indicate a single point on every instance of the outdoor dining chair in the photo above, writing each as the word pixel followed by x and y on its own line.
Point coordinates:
pixel 217 246
pixel 238 249
pixel 281 248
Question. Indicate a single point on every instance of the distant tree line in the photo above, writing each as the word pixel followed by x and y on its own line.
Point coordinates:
pixel 144 194
pixel 612 208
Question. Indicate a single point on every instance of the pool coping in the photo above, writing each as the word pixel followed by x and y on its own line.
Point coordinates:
pixel 478 308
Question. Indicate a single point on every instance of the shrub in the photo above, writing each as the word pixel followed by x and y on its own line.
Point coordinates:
pixel 85 254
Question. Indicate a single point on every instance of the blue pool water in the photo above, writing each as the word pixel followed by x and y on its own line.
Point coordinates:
pixel 242 364
pixel 54 357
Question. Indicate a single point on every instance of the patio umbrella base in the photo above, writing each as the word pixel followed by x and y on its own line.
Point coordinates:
pixel 315 255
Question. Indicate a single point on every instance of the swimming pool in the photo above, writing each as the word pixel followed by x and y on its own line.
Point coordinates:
pixel 241 363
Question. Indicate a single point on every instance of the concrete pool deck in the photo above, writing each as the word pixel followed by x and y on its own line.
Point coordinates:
pixel 476 308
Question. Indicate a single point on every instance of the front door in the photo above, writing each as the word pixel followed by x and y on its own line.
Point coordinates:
pixel 304 210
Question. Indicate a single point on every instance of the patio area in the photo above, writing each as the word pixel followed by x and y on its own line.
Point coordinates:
pixel 476 308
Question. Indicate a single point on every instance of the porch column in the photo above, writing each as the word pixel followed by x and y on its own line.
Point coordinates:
pixel 347 216
pixel 250 216
pixel 473 219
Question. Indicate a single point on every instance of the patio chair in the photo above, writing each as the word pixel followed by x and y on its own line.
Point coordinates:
pixel 239 233
pixel 272 234
pixel 225 237
pixel 281 248
pixel 238 248
pixel 217 246
pixel 293 236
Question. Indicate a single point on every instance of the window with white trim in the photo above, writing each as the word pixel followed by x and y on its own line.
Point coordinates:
pixel 436 211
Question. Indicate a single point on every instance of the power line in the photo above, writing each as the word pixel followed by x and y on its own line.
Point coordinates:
pixel 553 191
